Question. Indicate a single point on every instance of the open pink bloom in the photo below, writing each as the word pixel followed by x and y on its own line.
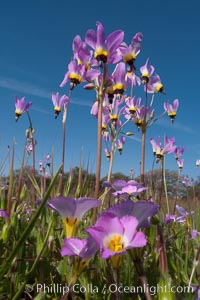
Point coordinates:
pixel 146 71
pixel 105 50
pixel 59 103
pixel 115 236
pixel 171 109
pixel 142 210
pixel 21 107
pixel 124 188
pixel 129 53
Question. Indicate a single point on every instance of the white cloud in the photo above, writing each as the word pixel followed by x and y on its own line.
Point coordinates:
pixel 176 126
pixel 24 87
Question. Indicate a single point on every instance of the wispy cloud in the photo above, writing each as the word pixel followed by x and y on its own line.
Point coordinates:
pixel 24 87
pixel 176 126
pixel 34 90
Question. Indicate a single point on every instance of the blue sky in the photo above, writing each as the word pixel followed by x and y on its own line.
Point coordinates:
pixel 36 38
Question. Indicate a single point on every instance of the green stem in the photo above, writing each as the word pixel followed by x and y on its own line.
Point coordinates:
pixel 9 203
pixel 164 182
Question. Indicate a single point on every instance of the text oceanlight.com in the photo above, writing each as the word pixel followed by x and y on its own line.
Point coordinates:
pixel 112 288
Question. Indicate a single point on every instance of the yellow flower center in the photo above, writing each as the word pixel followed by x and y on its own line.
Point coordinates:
pixel 119 88
pixel 114 118
pixel 145 75
pixel 57 108
pixel 129 57
pixel 159 87
pixel 172 114
pixel 18 112
pixel 75 78
pixel 115 243
pixel 138 122
pixel 132 109
pixel 101 54
pixel 71 226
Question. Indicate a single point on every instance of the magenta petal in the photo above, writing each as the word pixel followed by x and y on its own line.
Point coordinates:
pixel 176 104
pixel 106 253
pixel 114 40
pixel 110 224
pixel 114 57
pixel 100 35
pixel 72 247
pixel 139 240
pixel 66 207
pixel 91 38
pixel 63 83
pixel 91 74
pixel 27 106
pixel 55 99
pixel 76 43
pixel 85 204
pixel 97 233
pixel 4 214
pixel 64 100
pixel 119 72
pixel 94 109
pixel 130 224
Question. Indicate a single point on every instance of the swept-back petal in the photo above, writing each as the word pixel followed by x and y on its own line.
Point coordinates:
pixel 27 106
pixel 54 98
pixel 100 36
pixel 114 40
pixel 91 38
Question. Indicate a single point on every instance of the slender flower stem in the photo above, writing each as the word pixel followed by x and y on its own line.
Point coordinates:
pixel 177 186
pixel 9 199
pixel 165 183
pixel 100 96
pixel 64 120
pixel 142 170
pixel 19 187
pixel 60 186
pixel 107 189
pixel 32 142
pixel 144 128
pixel 140 271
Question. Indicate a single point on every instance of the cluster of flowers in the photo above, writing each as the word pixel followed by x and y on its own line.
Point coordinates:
pixel 183 218
pixel 169 147
pixel 44 165
pixel 116 230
